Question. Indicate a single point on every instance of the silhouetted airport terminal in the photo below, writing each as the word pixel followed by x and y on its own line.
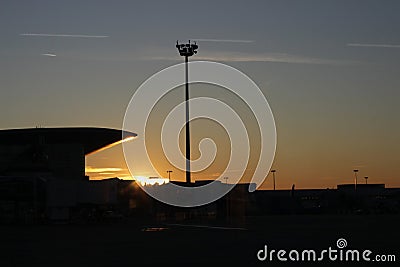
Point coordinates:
pixel 42 179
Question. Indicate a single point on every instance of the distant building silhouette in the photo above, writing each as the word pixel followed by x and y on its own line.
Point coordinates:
pixel 42 178
pixel 42 170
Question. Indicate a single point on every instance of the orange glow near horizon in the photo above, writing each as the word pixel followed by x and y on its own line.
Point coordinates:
pixel 297 167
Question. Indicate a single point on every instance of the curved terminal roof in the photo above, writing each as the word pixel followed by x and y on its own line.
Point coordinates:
pixel 91 138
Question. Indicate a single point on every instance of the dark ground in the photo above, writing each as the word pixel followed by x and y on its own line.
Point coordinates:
pixel 126 244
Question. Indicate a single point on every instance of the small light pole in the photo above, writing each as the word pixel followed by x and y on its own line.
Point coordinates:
pixel 169 175
pixel 355 179
pixel 366 179
pixel 273 176
pixel 187 50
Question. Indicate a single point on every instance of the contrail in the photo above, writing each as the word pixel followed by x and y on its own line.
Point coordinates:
pixel 63 35
pixel 375 45
pixel 48 55
pixel 223 40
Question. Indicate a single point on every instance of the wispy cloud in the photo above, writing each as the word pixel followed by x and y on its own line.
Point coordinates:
pixel 374 45
pixel 63 35
pixel 263 57
pixel 48 55
pixel 90 169
pixel 98 173
pixel 222 40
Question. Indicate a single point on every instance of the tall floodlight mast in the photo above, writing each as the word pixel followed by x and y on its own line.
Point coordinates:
pixel 355 179
pixel 187 50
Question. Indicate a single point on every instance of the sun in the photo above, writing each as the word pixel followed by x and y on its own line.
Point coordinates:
pixel 145 181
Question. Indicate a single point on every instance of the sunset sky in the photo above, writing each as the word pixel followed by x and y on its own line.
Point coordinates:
pixel 330 71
